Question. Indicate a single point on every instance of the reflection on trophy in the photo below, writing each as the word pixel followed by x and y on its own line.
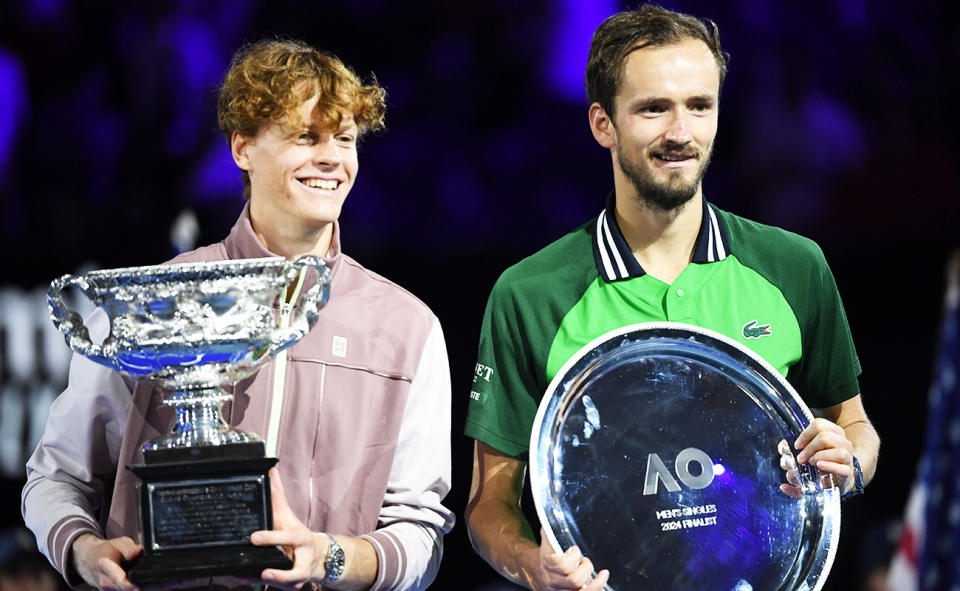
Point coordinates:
pixel 657 450
pixel 192 329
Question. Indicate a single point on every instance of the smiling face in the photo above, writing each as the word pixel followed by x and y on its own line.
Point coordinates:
pixel 661 135
pixel 299 177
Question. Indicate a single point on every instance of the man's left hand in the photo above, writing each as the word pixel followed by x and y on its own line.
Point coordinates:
pixel 307 549
pixel 825 445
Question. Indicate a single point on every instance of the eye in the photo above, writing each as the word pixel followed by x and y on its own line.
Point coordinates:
pixel 701 106
pixel 306 138
pixel 346 139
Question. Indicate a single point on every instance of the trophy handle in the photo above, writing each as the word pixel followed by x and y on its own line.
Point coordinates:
pixel 310 302
pixel 70 323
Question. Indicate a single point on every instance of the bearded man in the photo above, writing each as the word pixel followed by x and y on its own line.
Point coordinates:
pixel 657 252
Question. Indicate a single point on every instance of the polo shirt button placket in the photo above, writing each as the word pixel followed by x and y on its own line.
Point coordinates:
pixel 677 305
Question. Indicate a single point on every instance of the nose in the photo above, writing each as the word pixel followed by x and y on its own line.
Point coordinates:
pixel 327 152
pixel 678 130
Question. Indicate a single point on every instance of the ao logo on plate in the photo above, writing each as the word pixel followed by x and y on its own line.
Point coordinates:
pixel 657 471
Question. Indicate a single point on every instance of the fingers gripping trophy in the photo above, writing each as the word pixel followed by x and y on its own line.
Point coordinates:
pixel 192 329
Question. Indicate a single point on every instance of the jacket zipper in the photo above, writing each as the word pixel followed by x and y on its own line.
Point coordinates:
pixel 280 369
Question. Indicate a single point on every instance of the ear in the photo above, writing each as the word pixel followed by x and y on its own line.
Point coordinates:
pixel 240 147
pixel 602 126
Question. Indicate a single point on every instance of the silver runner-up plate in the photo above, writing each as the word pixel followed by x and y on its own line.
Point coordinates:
pixel 657 450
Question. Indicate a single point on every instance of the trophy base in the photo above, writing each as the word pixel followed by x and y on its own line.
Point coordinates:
pixel 199 563
pixel 197 509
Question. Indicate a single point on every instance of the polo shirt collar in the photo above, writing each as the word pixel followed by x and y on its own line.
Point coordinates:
pixel 615 260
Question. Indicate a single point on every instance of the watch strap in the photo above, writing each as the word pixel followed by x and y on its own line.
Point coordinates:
pixel 857 480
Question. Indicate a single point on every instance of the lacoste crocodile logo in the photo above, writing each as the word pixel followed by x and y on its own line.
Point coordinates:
pixel 752 331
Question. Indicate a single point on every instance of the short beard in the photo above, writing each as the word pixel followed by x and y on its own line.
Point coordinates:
pixel 657 195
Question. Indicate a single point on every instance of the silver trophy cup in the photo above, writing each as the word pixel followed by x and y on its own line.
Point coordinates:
pixel 192 329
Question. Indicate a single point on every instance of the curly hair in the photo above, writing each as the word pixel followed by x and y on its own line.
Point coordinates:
pixel 649 26
pixel 268 81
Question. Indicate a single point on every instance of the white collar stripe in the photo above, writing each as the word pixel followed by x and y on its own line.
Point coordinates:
pixel 715 230
pixel 710 257
pixel 615 261
pixel 613 247
pixel 607 267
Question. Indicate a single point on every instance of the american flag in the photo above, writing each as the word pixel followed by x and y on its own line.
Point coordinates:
pixel 928 556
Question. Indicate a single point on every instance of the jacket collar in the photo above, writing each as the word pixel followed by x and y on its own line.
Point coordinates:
pixel 615 260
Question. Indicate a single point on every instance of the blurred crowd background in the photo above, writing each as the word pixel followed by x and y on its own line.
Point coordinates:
pixel 835 122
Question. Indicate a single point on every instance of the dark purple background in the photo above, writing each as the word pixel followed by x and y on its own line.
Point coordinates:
pixel 837 122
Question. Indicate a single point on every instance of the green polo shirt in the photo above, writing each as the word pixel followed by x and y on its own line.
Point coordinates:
pixel 764 287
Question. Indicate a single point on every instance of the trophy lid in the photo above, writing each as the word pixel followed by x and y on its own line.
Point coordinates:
pixel 655 450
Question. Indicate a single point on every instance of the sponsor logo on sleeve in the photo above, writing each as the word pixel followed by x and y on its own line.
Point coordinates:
pixel 483 372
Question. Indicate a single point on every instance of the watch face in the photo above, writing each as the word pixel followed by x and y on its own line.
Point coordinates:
pixel 655 450
pixel 335 560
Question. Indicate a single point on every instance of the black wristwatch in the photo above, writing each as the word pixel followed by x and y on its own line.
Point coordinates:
pixel 335 561
pixel 857 480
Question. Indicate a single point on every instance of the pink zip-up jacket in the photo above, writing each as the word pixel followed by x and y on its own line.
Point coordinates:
pixel 364 432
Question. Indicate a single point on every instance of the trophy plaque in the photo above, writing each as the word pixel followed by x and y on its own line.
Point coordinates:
pixel 192 329
pixel 657 450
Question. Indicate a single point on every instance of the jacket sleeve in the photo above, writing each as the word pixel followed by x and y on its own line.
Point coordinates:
pixel 409 539
pixel 70 471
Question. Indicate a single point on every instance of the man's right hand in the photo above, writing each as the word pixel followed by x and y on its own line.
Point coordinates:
pixel 98 561
pixel 570 570
pixel 501 535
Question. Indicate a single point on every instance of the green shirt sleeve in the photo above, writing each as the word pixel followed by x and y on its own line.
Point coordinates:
pixel 501 408
pixel 524 312
pixel 827 372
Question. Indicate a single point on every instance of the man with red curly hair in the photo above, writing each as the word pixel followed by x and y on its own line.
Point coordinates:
pixel 358 411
